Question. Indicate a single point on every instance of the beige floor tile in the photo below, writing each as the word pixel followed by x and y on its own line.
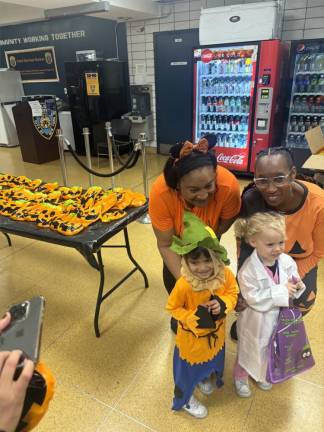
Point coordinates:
pixel 290 406
pixel 73 411
pixel 17 243
pixel 104 367
pixel 226 411
pixel 117 422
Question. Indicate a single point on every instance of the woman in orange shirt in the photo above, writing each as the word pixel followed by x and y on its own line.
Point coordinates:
pixel 191 181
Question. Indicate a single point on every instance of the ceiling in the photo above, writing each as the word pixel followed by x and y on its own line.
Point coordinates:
pixel 20 11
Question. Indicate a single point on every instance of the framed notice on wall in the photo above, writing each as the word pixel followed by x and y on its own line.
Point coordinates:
pixel 35 64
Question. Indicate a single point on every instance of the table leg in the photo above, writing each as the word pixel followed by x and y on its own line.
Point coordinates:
pixel 7 237
pixel 100 291
pixel 130 256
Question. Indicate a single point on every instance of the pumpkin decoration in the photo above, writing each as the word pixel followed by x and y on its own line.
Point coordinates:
pixel 113 215
pixel 66 210
pixel 71 193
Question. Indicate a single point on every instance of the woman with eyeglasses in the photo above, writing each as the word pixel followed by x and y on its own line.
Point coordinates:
pixel 276 188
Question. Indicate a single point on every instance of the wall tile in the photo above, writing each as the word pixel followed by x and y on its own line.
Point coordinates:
pixel 138 47
pixel 181 25
pixel 194 24
pixel 315 23
pixel 292 35
pixel 167 26
pixel 138 39
pixel 150 63
pixel 215 3
pixel 149 55
pixel 194 15
pixel 314 33
pixel 195 5
pixel 167 19
pixel 294 25
pixel 315 12
pixel 232 2
pixel 293 14
pixel 151 28
pixel 138 56
pixel 295 4
pixel 149 46
pixel 181 16
pixel 181 7
pixel 315 3
pixel 149 37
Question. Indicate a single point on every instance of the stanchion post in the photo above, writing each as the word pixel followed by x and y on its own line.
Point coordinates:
pixel 60 142
pixel 145 219
pixel 110 151
pixel 86 134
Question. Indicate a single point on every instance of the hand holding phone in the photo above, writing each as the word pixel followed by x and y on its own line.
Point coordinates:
pixel 25 329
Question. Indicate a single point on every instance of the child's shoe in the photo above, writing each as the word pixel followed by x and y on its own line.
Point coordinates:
pixel 242 388
pixel 195 408
pixel 264 385
pixel 206 387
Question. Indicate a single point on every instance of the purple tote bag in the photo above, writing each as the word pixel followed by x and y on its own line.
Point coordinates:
pixel 289 349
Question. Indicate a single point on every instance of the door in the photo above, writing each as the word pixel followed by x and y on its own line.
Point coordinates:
pixel 174 86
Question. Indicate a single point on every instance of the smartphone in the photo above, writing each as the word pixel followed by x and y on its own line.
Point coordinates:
pixel 25 329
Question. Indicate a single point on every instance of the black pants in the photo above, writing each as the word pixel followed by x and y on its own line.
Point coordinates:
pixel 168 279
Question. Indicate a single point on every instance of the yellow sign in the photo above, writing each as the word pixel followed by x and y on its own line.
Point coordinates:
pixel 92 81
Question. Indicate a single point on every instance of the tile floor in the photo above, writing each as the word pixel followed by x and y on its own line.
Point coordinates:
pixel 123 381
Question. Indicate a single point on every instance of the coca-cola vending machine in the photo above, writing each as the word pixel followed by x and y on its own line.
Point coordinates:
pixel 237 99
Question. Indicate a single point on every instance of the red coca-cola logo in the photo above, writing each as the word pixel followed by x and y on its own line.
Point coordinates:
pixel 207 56
pixel 236 159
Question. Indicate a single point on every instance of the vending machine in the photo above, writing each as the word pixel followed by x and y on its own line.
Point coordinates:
pixel 237 98
pixel 305 108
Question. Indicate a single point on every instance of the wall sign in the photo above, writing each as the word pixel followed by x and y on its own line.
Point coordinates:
pixel 92 82
pixel 35 64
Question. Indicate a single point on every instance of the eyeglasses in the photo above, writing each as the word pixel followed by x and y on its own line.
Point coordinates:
pixel 263 182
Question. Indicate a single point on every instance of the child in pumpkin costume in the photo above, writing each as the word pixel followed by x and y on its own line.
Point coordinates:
pixel 200 301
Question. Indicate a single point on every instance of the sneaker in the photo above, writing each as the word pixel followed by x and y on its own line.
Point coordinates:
pixel 195 408
pixel 242 388
pixel 264 385
pixel 206 387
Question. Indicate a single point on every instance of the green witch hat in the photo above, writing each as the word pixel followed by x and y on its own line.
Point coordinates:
pixel 196 233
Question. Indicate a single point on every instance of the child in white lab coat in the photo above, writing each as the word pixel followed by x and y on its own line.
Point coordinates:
pixel 267 279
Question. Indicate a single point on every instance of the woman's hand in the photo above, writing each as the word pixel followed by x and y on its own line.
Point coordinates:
pixel 12 393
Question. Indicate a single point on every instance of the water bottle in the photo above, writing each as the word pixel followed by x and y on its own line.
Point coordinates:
pixel 307 123
pixel 301 124
pixel 232 104
pixel 238 105
pixel 297 104
pixel 293 124
pixel 226 105
pixel 321 123
pixel 291 140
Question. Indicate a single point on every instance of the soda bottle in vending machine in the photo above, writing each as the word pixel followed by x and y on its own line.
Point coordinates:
pixel 215 104
pixel 317 104
pixel 209 104
pixel 301 124
pixel 307 123
pixel 314 83
pixel 293 124
pixel 321 84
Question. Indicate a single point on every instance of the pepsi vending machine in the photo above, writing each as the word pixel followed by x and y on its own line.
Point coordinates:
pixel 237 98
pixel 305 108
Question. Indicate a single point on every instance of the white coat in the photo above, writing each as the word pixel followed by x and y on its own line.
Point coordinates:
pixel 257 322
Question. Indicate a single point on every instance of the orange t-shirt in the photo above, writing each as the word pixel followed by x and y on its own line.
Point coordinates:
pixel 166 205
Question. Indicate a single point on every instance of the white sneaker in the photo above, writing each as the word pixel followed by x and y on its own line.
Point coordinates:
pixel 265 385
pixel 242 388
pixel 195 408
pixel 206 386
